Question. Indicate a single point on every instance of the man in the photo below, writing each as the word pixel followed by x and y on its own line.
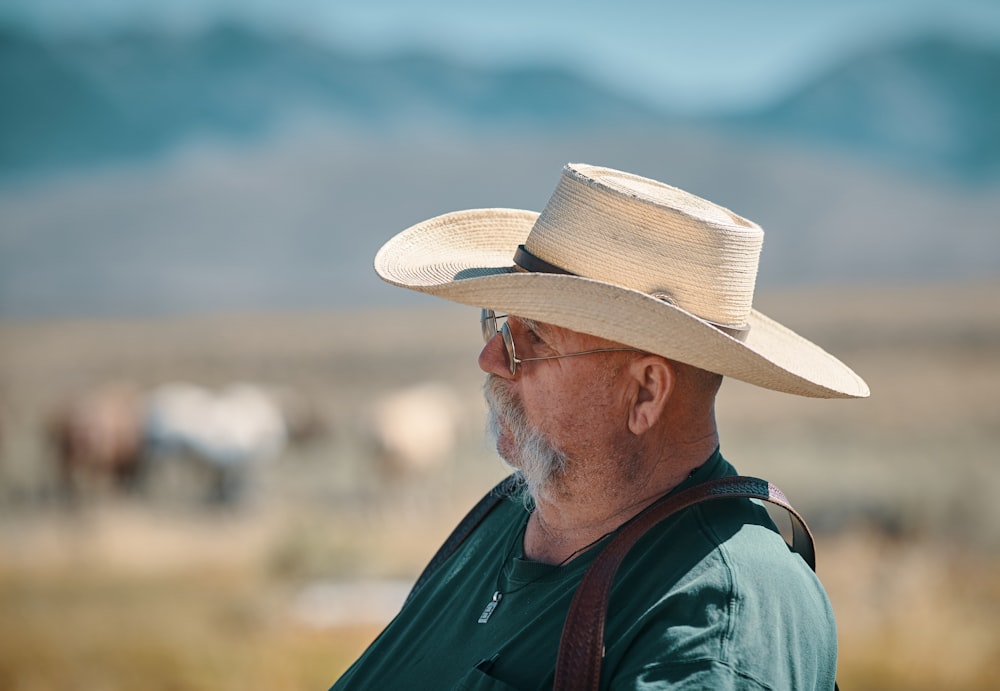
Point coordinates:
pixel 626 303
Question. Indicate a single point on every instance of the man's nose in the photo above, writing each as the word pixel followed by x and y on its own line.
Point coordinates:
pixel 493 359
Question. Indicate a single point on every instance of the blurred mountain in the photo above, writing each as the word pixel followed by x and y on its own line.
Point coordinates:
pixel 78 101
pixel 926 103
pixel 929 102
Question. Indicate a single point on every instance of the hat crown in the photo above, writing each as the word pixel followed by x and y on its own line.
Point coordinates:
pixel 644 235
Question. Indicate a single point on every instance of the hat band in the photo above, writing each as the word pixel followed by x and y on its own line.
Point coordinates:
pixel 529 262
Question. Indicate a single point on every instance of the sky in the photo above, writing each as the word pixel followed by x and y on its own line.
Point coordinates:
pixel 699 55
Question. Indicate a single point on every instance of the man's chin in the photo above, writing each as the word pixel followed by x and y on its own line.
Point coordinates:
pixel 507 451
pixel 503 440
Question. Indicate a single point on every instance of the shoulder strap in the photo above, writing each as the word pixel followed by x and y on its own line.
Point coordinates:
pixel 465 527
pixel 581 649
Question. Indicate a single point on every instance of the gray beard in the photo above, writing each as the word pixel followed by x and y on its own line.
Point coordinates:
pixel 537 462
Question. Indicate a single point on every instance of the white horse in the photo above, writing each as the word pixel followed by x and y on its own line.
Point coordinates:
pixel 415 430
pixel 227 431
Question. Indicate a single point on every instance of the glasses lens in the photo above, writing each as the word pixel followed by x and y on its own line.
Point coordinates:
pixel 488 322
pixel 508 348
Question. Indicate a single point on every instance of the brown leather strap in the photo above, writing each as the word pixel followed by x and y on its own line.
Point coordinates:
pixel 581 649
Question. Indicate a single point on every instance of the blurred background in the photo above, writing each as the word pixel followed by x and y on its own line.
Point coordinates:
pixel 227 449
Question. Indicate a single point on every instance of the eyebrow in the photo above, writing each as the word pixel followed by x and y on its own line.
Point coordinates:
pixel 531 325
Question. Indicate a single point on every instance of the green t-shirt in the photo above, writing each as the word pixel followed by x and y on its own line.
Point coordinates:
pixel 711 598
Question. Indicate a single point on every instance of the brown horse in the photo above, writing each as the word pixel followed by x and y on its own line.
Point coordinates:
pixel 96 436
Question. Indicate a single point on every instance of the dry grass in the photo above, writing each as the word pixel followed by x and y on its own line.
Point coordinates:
pixel 122 594
pixel 913 614
pixel 205 629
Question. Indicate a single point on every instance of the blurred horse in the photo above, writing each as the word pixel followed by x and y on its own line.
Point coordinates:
pixel 115 437
pixel 225 432
pixel 96 436
pixel 414 431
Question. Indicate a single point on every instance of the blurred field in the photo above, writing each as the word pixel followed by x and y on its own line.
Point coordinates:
pixel 163 592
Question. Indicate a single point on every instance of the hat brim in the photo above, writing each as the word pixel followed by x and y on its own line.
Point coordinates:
pixel 466 257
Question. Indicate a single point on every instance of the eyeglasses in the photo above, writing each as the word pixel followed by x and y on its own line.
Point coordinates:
pixel 488 320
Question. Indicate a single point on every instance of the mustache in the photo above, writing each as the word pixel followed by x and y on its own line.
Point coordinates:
pixel 499 398
pixel 493 390
pixel 505 409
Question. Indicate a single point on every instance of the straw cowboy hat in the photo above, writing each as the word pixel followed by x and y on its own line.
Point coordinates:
pixel 624 258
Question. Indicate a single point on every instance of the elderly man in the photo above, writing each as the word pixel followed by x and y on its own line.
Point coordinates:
pixel 622 306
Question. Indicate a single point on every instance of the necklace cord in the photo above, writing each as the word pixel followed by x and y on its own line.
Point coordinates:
pixel 552 569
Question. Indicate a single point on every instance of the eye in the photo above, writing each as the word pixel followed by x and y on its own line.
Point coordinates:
pixel 526 330
pixel 531 336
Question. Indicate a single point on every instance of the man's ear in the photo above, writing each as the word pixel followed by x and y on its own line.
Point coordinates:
pixel 654 379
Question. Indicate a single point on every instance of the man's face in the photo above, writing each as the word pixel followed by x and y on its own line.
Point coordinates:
pixel 553 413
